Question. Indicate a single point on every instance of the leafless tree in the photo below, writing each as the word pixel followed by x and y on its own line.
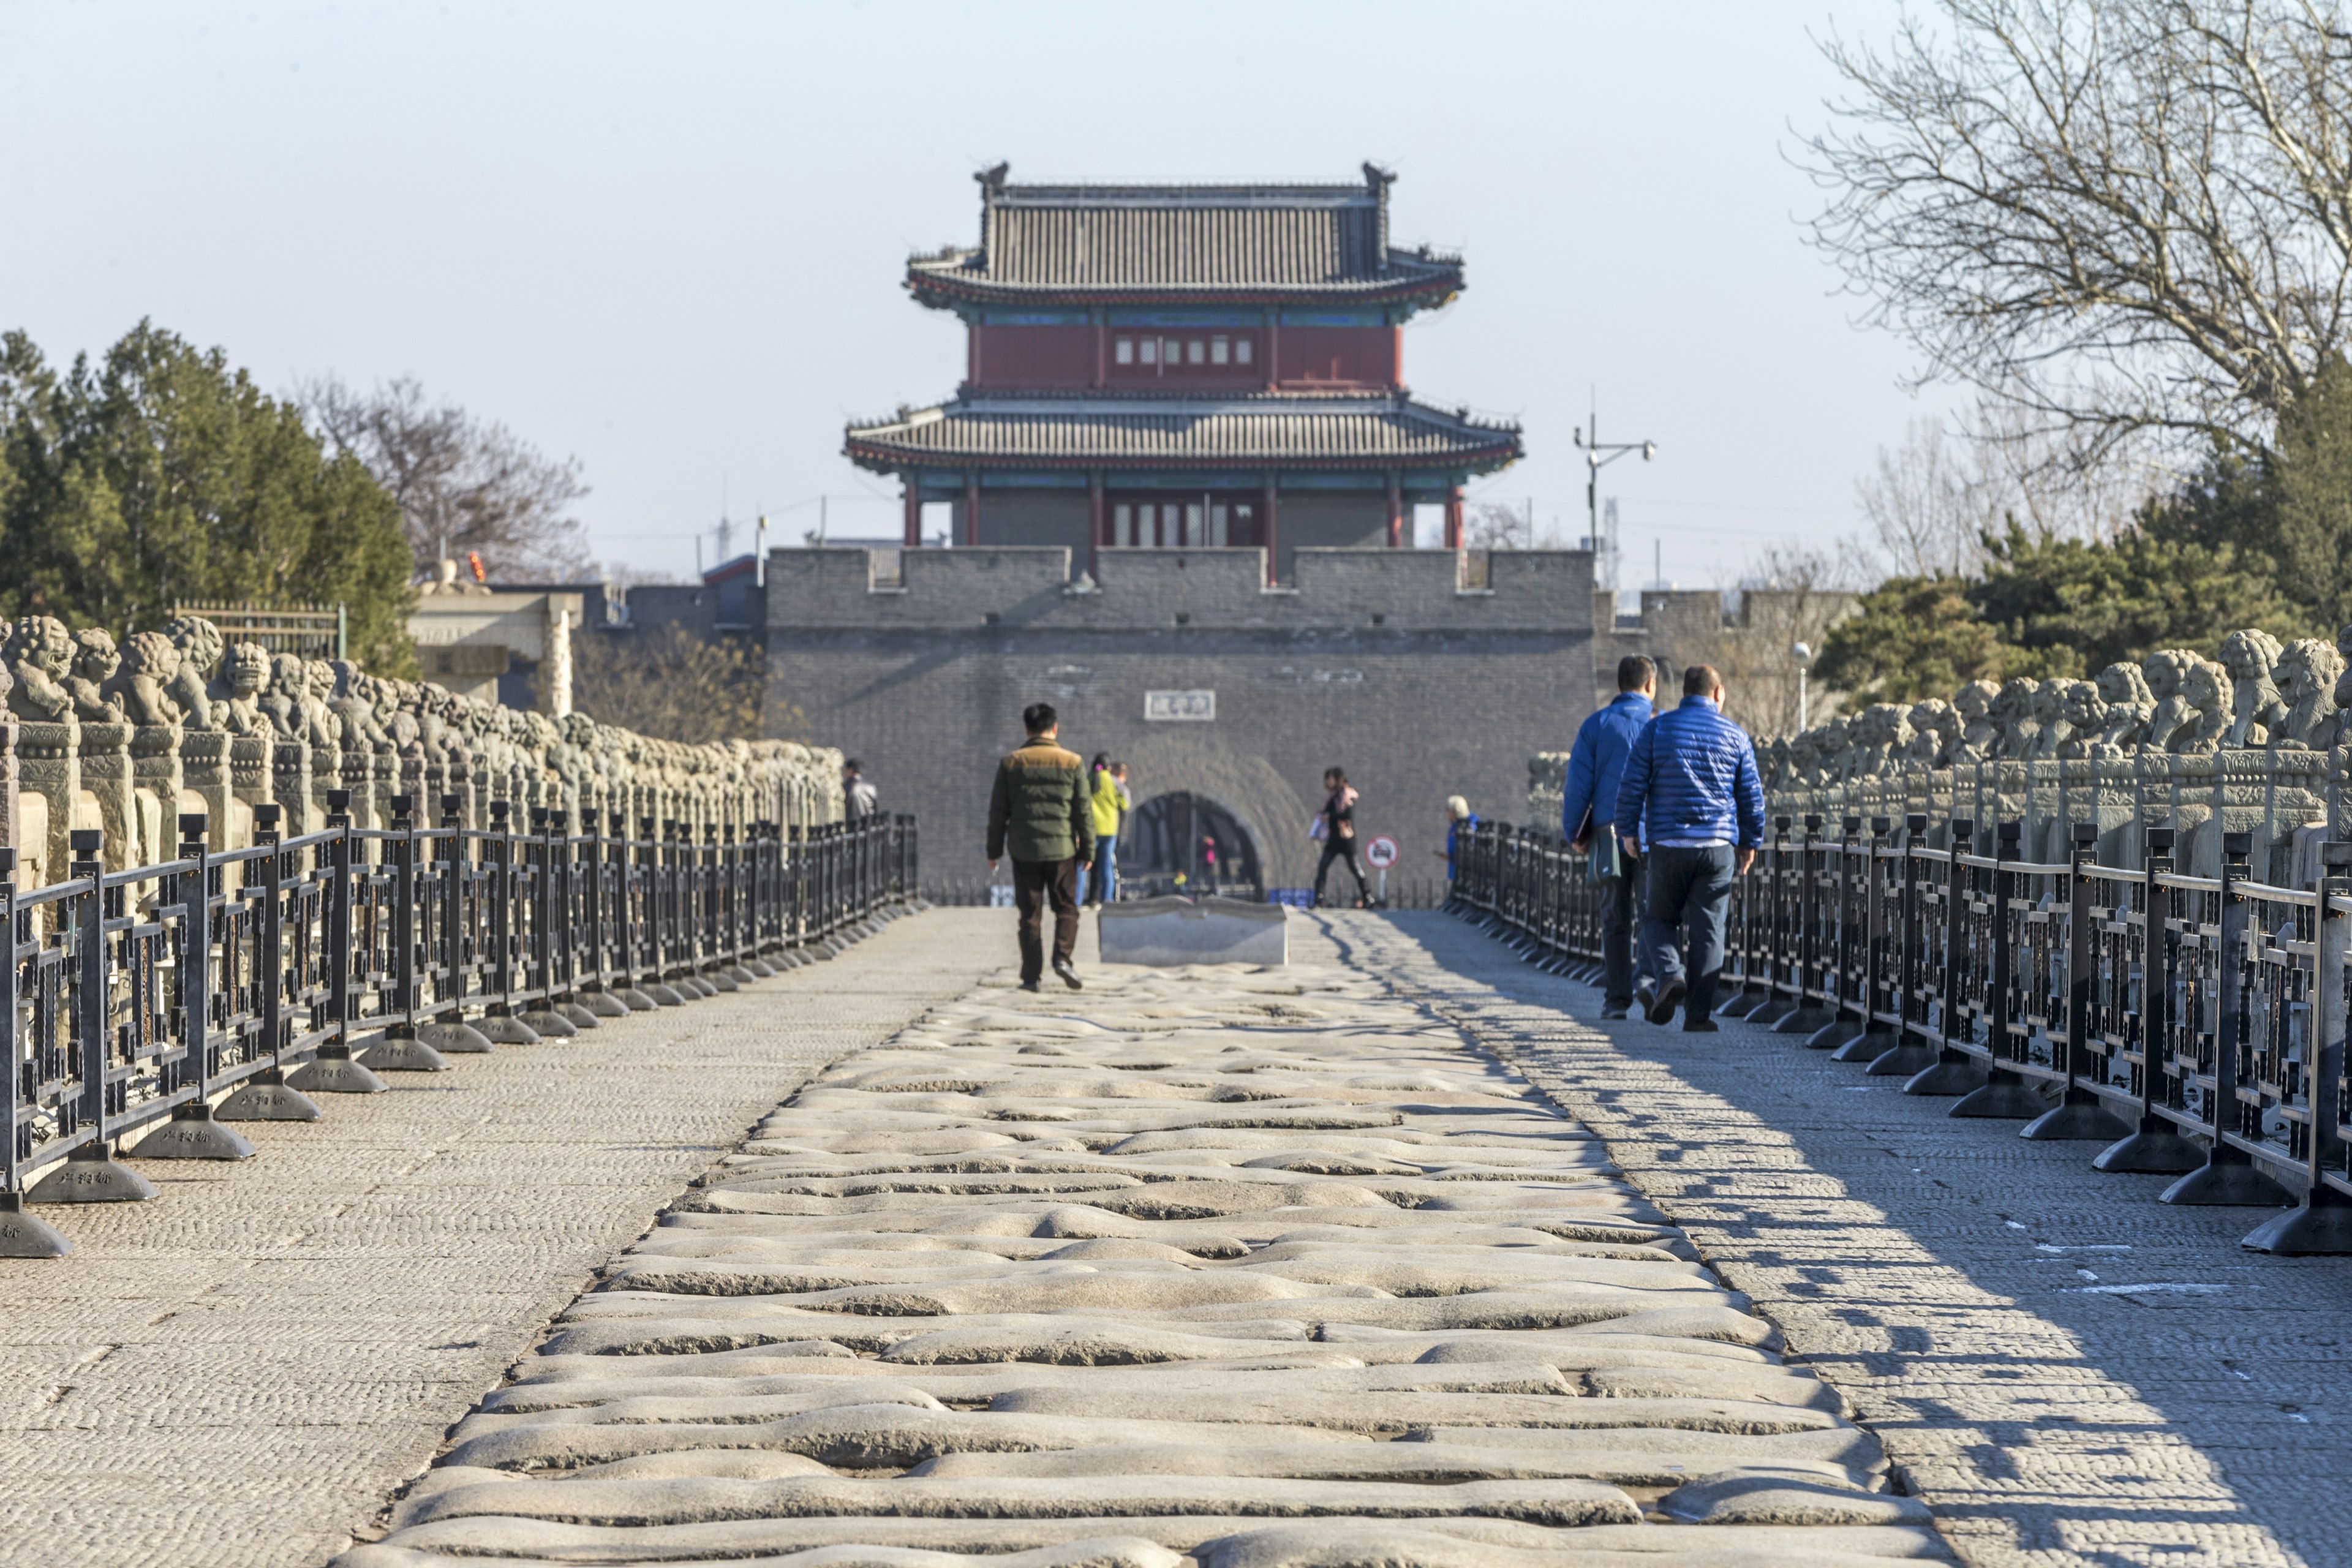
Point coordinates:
pixel 1931 501
pixel 670 684
pixel 2116 215
pixel 1789 595
pixel 462 483
pixel 1495 525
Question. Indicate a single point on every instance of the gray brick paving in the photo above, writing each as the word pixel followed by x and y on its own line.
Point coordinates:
pixel 2069 1371
pixel 1215 1268
pixel 240 1371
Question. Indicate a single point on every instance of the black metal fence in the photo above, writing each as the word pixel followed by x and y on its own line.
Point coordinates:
pixel 168 1000
pixel 2194 1026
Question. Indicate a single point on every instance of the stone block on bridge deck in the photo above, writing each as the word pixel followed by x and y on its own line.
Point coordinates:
pixel 1170 932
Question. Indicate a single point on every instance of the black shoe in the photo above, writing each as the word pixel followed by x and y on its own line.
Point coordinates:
pixel 1030 986
pixel 1062 967
pixel 1664 1001
pixel 1700 1026
pixel 1614 1012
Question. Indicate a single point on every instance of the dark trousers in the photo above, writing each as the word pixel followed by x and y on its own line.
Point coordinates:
pixel 1621 908
pixel 1344 851
pixel 1689 896
pixel 1034 884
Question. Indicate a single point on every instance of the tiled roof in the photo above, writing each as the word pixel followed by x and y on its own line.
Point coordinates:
pixel 1268 431
pixel 1129 242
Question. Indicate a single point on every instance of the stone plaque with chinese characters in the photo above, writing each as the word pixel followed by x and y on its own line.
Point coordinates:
pixel 1180 705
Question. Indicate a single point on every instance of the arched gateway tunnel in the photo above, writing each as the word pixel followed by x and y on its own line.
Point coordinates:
pixel 1186 666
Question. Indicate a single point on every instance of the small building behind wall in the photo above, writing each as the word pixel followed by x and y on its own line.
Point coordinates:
pixel 1183 367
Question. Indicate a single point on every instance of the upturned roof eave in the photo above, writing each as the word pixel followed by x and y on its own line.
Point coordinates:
pixel 882 456
pixel 937 291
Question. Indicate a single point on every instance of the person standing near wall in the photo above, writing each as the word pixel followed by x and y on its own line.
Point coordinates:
pixel 1588 810
pixel 1691 784
pixel 859 800
pixel 1102 799
pixel 1335 825
pixel 1038 809
pixel 1459 819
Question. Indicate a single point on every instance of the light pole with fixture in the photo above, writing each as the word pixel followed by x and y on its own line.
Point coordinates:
pixel 1598 455
pixel 1801 655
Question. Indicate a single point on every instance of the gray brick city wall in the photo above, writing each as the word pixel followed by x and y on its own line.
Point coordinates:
pixel 1374 662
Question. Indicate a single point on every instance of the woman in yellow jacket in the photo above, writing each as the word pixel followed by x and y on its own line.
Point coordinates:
pixel 1102 884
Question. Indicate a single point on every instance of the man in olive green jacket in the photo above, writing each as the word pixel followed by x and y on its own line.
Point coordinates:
pixel 1039 810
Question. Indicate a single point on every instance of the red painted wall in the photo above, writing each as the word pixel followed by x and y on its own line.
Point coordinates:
pixel 1032 356
pixel 1339 357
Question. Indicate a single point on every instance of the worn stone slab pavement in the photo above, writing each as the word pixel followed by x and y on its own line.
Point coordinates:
pixel 1222 1266
pixel 2069 1371
pixel 238 1371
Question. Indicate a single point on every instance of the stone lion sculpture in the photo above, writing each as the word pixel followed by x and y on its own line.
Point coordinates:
pixel 2085 717
pixel 2205 689
pixel 2047 708
pixel 281 700
pixel 1979 739
pixel 2166 671
pixel 233 696
pixel 2307 673
pixel 1935 729
pixel 95 661
pixel 39 653
pixel 202 648
pixel 2013 719
pixel 150 664
pixel 2249 656
pixel 1880 733
pixel 2130 705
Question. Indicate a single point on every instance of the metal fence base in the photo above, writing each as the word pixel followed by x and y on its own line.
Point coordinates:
pixel 192 1134
pixel 2079 1118
pixel 401 1053
pixel 1907 1057
pixel 1868 1044
pixel 1773 1010
pixel 2321 1228
pixel 1743 1004
pixel 2158 1149
pixel 2226 1180
pixel 454 1036
pixel 334 1075
pixel 267 1097
pixel 23 1236
pixel 87 1176
pixel 1952 1074
pixel 582 1017
pixel 2004 1097
pixel 740 974
pixel 636 1001
pixel 507 1029
pixel 663 996
pixel 603 1004
pixel 1835 1035
pixel 719 980
pixel 549 1023
pixel 760 968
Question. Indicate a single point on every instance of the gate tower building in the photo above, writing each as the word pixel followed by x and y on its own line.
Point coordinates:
pixel 1180 467
pixel 1161 367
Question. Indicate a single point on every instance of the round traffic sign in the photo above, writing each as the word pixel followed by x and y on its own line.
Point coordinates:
pixel 1380 853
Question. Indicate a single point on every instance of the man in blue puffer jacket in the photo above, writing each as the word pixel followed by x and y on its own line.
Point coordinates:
pixel 1691 785
pixel 1589 806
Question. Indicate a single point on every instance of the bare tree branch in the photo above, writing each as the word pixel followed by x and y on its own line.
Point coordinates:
pixel 2111 216
pixel 462 483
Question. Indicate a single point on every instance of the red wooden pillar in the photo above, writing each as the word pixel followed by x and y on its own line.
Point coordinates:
pixel 1396 510
pixel 1095 514
pixel 1266 535
pixel 971 506
pixel 914 512
pixel 1454 519
pixel 1273 350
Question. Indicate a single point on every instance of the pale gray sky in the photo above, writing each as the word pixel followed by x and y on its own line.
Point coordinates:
pixel 669 238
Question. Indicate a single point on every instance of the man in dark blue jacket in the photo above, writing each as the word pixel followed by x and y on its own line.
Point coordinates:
pixel 1691 785
pixel 1588 807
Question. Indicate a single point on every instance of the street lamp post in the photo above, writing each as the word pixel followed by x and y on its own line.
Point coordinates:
pixel 1802 655
pixel 1598 455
